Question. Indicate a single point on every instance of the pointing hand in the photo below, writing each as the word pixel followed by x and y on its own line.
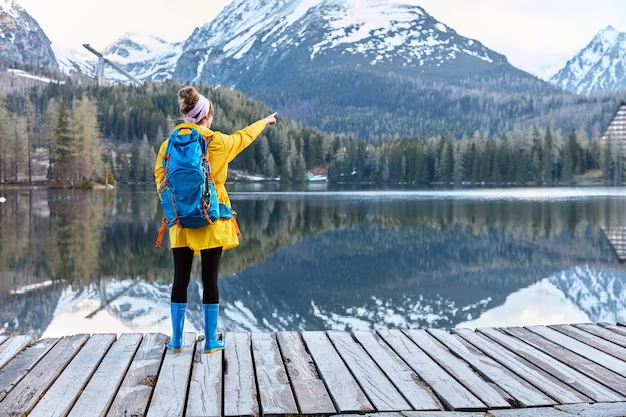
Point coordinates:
pixel 270 120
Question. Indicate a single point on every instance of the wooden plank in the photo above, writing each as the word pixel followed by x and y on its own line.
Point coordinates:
pixel 12 347
pixel 595 410
pixel 379 390
pixel 521 392
pixel 134 394
pixel 205 387
pixel 530 412
pixel 582 349
pixel 170 392
pixel 562 372
pixel 272 381
pixel 585 366
pixel 21 400
pixel 398 372
pixel 98 395
pixel 62 395
pixel 438 414
pixel 451 393
pixel 604 333
pixel 345 391
pixel 309 389
pixel 458 369
pixel 15 370
pixel 524 369
pixel 592 340
pixel 240 394
pixel 3 339
pixel 614 328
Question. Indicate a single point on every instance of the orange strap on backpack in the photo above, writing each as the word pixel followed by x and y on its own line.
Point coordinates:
pixel 236 225
pixel 161 232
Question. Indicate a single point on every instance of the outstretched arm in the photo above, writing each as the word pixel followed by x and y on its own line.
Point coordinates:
pixel 241 139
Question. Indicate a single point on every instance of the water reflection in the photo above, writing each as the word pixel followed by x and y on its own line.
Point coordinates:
pixel 82 261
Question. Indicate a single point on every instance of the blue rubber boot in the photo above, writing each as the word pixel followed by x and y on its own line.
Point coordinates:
pixel 178 321
pixel 211 343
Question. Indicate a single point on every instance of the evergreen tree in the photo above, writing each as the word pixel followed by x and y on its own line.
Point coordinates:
pixel 5 138
pixel 135 162
pixel 458 172
pixel 87 142
pixel 63 150
pixel 270 167
pixel 299 170
pixel 285 170
pixel 569 159
pixel 18 149
pixel 122 165
pixel 51 121
pixel 147 157
pixel 29 111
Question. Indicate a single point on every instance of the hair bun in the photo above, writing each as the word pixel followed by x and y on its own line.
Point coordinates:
pixel 187 99
pixel 188 93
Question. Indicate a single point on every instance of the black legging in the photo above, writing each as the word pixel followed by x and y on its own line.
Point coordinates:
pixel 183 258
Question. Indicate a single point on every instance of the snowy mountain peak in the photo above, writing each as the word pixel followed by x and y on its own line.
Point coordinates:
pixel 16 13
pixel 599 67
pixel 372 31
pixel 10 7
pixel 21 38
pixel 147 57
pixel 607 37
pixel 134 42
pixel 608 31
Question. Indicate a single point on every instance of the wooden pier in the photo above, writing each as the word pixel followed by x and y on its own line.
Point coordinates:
pixel 532 371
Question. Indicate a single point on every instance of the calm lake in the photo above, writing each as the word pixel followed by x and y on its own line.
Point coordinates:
pixel 347 259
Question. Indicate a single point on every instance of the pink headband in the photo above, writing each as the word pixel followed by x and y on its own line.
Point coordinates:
pixel 200 110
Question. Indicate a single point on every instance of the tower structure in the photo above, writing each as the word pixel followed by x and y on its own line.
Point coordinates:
pixel 102 61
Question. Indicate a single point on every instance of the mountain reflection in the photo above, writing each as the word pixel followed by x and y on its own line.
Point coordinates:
pixel 74 260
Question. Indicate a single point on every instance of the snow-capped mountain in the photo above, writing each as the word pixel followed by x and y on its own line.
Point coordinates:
pixel 575 295
pixel 74 61
pixel 253 34
pixel 579 294
pixel 326 62
pixel 146 57
pixel 599 67
pixel 21 38
pixel 599 292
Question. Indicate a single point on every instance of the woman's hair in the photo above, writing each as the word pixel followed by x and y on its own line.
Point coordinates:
pixel 188 98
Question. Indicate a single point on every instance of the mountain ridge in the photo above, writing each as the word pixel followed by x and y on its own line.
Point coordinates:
pixel 330 65
pixel 22 40
pixel 324 64
pixel 598 67
pixel 147 57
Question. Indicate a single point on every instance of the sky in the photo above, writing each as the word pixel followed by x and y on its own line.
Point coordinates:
pixel 538 36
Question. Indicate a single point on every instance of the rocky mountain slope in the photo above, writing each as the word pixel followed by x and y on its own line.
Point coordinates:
pixel 599 67
pixel 339 64
pixel 22 41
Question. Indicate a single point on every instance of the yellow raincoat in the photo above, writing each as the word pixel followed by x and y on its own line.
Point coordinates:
pixel 222 150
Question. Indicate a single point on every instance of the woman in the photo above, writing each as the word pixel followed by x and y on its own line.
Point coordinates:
pixel 208 241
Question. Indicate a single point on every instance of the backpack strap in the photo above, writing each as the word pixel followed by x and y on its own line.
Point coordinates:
pixel 234 220
pixel 159 239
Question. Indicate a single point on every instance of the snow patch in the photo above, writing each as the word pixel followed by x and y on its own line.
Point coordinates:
pixel 24 74
pixel 27 288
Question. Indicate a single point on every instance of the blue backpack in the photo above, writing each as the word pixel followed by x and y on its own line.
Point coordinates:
pixel 187 192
